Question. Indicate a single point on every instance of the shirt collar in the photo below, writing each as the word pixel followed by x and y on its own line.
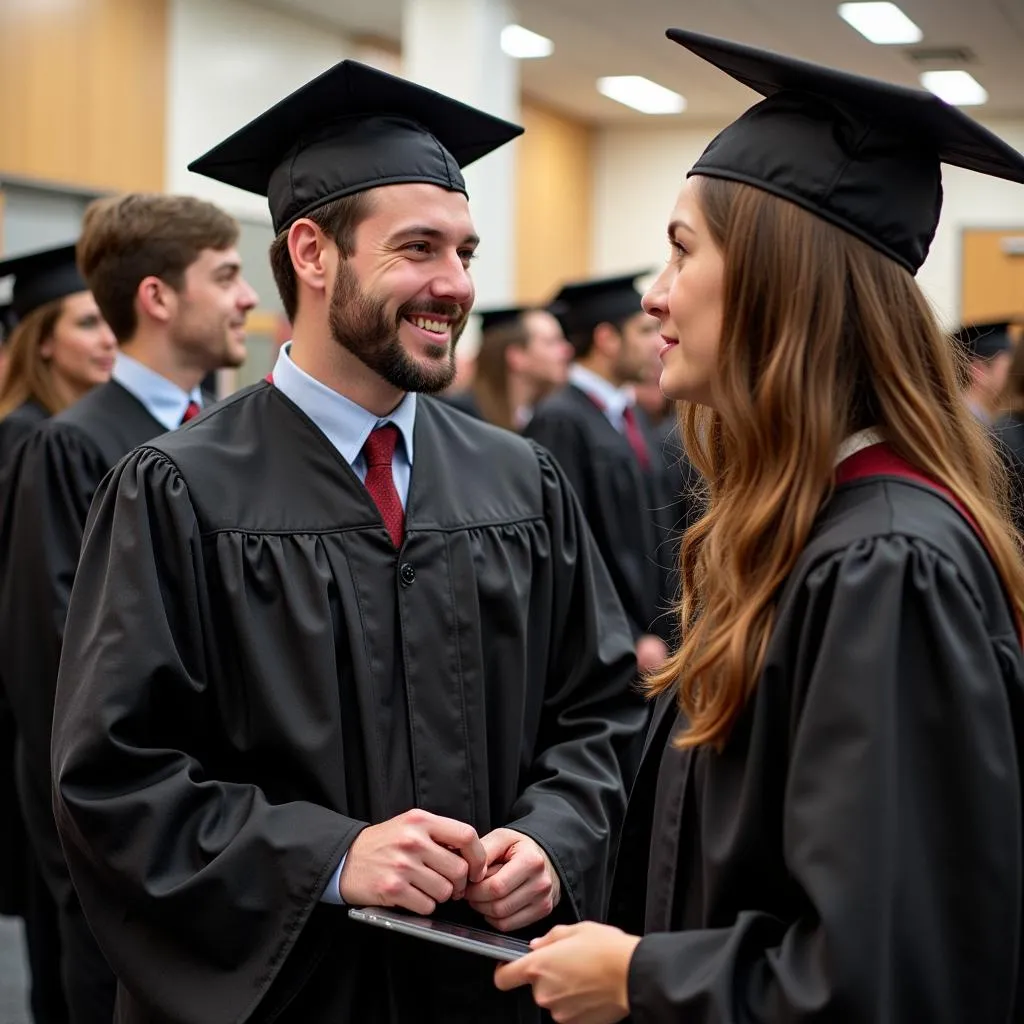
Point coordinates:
pixel 345 424
pixel 858 442
pixel 162 398
pixel 612 400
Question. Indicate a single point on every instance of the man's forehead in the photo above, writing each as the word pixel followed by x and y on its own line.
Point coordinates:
pixel 410 206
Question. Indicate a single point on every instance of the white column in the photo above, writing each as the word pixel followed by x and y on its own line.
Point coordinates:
pixel 454 46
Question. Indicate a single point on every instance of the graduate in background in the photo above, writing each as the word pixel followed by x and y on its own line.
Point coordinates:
pixel 1009 427
pixel 608 450
pixel 523 357
pixel 336 642
pixel 828 824
pixel 988 348
pixel 58 349
pixel 166 276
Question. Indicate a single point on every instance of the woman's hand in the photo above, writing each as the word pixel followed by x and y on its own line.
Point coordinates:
pixel 579 973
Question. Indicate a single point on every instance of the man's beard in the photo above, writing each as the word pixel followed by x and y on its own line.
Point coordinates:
pixel 360 324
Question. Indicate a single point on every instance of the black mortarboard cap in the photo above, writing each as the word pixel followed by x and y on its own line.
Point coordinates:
pixel 350 129
pixel 985 340
pixel 497 317
pixel 41 277
pixel 862 154
pixel 582 305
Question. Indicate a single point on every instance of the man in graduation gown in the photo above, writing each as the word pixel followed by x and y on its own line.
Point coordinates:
pixel 335 642
pixel 606 447
pixel 166 275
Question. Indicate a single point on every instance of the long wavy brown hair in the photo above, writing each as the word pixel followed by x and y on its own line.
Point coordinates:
pixel 490 382
pixel 29 377
pixel 822 337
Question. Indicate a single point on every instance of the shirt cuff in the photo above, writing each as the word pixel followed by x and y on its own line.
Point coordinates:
pixel 332 894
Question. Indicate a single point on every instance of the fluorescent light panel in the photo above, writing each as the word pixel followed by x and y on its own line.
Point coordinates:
pixel 955 87
pixel 881 23
pixel 523 44
pixel 641 94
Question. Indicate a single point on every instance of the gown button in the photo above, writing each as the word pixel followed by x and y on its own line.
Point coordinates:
pixel 407 574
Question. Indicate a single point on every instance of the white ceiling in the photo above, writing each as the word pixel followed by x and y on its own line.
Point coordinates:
pixel 620 37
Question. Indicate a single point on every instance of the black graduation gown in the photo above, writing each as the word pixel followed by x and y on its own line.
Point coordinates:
pixel 854 853
pixel 1009 435
pixel 251 672
pixel 14 863
pixel 56 473
pixel 622 502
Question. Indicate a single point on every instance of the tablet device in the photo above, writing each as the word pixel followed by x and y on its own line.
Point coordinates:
pixel 471 940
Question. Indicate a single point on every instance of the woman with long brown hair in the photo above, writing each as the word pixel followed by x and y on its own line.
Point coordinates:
pixel 60 347
pixel 828 824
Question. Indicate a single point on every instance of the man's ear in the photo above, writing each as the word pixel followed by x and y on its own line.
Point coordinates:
pixel 310 253
pixel 607 340
pixel 156 299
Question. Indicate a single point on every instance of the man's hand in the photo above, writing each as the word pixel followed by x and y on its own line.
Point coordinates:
pixel 414 861
pixel 521 886
pixel 651 653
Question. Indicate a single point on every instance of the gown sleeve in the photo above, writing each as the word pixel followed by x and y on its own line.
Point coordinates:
pixel 902 818
pixel 192 882
pixel 52 480
pixel 574 800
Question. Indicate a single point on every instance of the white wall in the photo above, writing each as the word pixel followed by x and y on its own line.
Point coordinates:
pixel 228 62
pixel 638 172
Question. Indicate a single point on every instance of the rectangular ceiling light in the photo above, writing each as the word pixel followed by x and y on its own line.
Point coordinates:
pixel 955 87
pixel 523 44
pixel 641 94
pixel 882 23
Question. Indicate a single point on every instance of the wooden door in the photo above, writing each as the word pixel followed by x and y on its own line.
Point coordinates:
pixel 992 274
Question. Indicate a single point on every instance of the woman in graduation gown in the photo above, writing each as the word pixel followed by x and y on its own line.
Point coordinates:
pixel 828 822
pixel 59 348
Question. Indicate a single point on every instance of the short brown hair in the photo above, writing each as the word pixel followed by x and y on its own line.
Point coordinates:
pixel 338 220
pixel 126 239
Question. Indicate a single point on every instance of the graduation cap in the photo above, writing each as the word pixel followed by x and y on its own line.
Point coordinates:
pixel 582 305
pixel 497 317
pixel 350 129
pixel 985 340
pixel 862 154
pixel 41 277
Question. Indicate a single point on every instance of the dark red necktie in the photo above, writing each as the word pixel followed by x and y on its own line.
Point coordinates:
pixel 378 451
pixel 635 437
pixel 192 410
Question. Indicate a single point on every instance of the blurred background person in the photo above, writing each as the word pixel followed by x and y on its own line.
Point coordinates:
pixel 988 348
pixel 57 348
pixel 167 276
pixel 523 357
pixel 606 447
pixel 1009 427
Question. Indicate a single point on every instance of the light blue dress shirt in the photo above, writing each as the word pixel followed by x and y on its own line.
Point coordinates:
pixel 163 399
pixel 347 426
pixel 612 401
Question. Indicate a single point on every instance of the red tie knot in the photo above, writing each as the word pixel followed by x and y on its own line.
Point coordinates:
pixel 379 448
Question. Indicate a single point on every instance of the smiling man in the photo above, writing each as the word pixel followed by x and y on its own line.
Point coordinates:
pixel 336 643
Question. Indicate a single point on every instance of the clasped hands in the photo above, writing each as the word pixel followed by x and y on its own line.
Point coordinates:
pixel 418 860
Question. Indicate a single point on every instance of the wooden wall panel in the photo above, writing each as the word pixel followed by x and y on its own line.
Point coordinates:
pixel 554 202
pixel 83 92
pixel 992 280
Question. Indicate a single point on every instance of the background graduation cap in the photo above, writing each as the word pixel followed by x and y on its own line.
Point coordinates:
pixel 862 154
pixel 497 317
pixel 41 277
pixel 985 340
pixel 350 129
pixel 582 305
